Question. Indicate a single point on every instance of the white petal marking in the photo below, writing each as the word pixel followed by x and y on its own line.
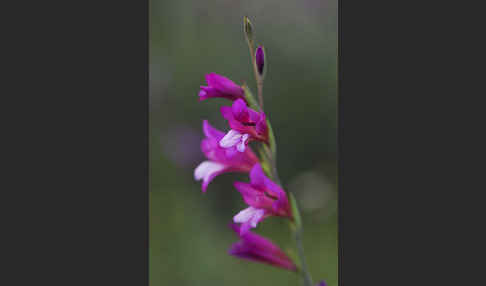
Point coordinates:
pixel 242 145
pixel 230 139
pixel 249 215
pixel 206 169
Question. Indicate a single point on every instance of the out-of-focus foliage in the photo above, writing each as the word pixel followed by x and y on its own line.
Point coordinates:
pixel 189 234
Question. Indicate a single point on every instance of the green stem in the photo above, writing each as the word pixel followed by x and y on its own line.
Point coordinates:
pixel 270 152
pixel 296 225
pixel 304 271
pixel 257 79
pixel 260 89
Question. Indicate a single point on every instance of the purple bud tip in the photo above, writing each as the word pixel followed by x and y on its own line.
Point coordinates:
pixel 260 59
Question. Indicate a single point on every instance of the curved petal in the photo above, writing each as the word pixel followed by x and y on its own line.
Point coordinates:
pixel 206 92
pixel 259 249
pixel 257 177
pixel 272 188
pixel 212 132
pixel 249 218
pixel 224 84
pixel 227 113
pixel 253 197
pixel 254 115
pixel 281 205
pixel 207 171
pixel 240 111
pixel 261 126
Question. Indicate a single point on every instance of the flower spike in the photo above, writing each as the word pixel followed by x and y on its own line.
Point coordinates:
pixel 229 152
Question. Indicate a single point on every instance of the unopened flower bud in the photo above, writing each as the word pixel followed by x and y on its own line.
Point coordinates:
pixel 260 60
pixel 248 30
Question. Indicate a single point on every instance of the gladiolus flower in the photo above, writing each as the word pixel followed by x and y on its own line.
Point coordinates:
pixel 221 160
pixel 264 197
pixel 246 125
pixel 256 248
pixel 220 86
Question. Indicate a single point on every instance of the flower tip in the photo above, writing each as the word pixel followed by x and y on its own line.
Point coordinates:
pixel 248 29
pixel 206 127
pixel 202 95
pixel 208 76
pixel 204 188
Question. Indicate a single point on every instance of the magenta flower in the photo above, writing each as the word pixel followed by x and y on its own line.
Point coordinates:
pixel 246 125
pixel 220 86
pixel 264 197
pixel 220 160
pixel 256 248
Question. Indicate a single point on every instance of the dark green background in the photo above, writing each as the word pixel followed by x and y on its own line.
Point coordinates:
pixel 189 237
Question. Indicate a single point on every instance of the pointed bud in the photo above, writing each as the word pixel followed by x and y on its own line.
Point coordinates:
pixel 248 30
pixel 260 60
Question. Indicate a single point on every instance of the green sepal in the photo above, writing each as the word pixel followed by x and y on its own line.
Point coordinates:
pixel 250 99
pixel 248 31
pixel 271 139
pixel 264 162
pixel 295 212
pixel 294 257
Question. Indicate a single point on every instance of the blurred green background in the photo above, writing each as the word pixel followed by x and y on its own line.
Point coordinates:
pixel 189 234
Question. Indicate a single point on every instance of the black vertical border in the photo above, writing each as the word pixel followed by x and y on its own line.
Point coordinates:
pixel 386 82
pixel 78 163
